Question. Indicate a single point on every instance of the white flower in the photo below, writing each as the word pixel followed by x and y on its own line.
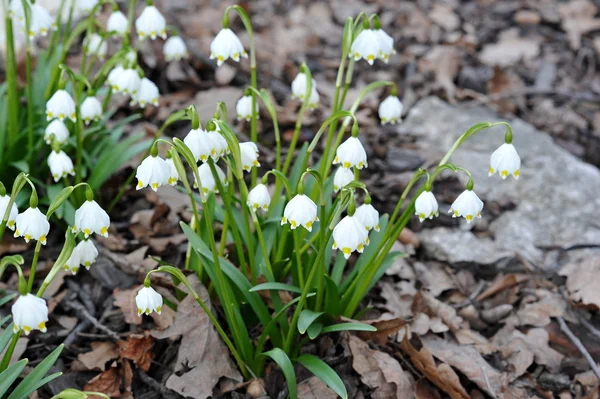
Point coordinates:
pixel 300 211
pixel 259 197
pixel 390 110
pixel 147 94
pixel 505 161
pixel 16 10
pixel 209 185
pixel 467 205
pixel 131 56
pixel 86 6
pixel 249 155
pixel 60 165
pixel 226 45
pixel 91 110
pixel 386 45
pixel 365 46
pixel 152 172
pixel 32 225
pixel 4 200
pixel 350 235
pixel 94 44
pixel 313 100
pixel 29 313
pixel 40 21
pixel 351 153
pixel 173 175
pixel 201 145
pixel 61 106
pixel 127 82
pixel 175 49
pixel 368 216
pixel 72 264
pixel 219 143
pixel 243 108
pixel 91 218
pixel 426 206
pixel 117 22
pixel 57 130
pixel 88 253
pixel 299 86
pixel 342 177
pixel 151 24
pixel 113 75
pixel 148 301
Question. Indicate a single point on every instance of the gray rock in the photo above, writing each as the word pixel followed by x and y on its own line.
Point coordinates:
pixel 556 196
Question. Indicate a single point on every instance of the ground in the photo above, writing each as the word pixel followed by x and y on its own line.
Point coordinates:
pixel 504 308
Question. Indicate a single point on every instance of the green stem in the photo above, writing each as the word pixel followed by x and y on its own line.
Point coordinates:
pixel 11 78
pixel 34 262
pixel 9 352
pixel 30 116
pixel 297 247
pixel 130 15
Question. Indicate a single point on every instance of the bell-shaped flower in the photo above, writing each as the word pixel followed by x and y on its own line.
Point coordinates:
pixel 249 155
pixel 91 218
pixel 386 45
pixel 127 82
pixel 173 175
pixel 15 10
pixel 368 216
pixel 243 108
pixel 60 106
pixel 88 253
pixel 117 22
pixel 390 110
pixel 148 301
pixel 152 172
pixel 366 46
pixel 300 211
pixel 467 205
pixel 56 130
pixel 41 21
pixel 209 185
pixel 426 206
pixel 151 23
pixel 147 94
pixel 91 110
pixel 72 264
pixel 86 6
pixel 29 313
pixel 113 75
pixel 505 161
pixel 60 165
pixel 299 86
pixel 226 45
pixel 351 153
pixel 350 235
pixel 175 49
pixel 12 215
pixel 94 44
pixel 342 177
pixel 313 100
pixel 220 142
pixel 32 225
pixel 259 197
pixel 201 145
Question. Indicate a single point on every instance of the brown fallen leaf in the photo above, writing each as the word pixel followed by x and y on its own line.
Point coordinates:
pixel 505 82
pixel 314 388
pixel 424 390
pixel 125 299
pixel 385 329
pixel 444 63
pixel 101 353
pixel 501 283
pixel 434 277
pixel 380 372
pixel 578 19
pixel 441 376
pixel 425 302
pixel 510 49
pixel 108 382
pixel 539 313
pixel 583 284
pixel 139 349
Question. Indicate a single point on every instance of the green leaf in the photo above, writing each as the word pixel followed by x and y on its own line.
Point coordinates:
pixel 332 297
pixel 6 336
pixel 276 287
pixel 2 321
pixel 6 299
pixel 307 317
pixel 8 376
pixel 297 169
pixel 314 330
pixel 285 364
pixel 30 383
pixel 348 327
pixel 325 373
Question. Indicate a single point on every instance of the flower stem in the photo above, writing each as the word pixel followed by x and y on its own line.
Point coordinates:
pixel 12 89
pixel 30 116
pixel 34 262
pixel 9 351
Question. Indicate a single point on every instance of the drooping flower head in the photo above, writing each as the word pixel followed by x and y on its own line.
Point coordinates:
pixel 117 22
pixel 368 216
pixel 259 197
pixel 94 44
pixel 40 23
pixel 202 145
pixel 390 110
pixel 351 153
pixel 386 44
pixel 32 225
pixel 127 81
pixel 148 301
pixel 243 108
pixel 29 313
pixel 12 215
pixel 60 165
pixel 56 130
pixel 341 178
pixel 175 49
pixel 226 45
pixel 86 6
pixel 72 264
pixel 366 46
pixel 91 110
pixel 91 218
pixel 426 206
pixel 60 106
pixel 147 94
pixel 173 174
pixel 249 155
pixel 153 172
pixel 88 253
pixel 350 235
pixel 209 184
pixel 300 211
pixel 467 205
pixel 505 161
pixel 151 23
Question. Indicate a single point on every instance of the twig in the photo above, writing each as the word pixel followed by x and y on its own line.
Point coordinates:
pixel 158 387
pixel 471 297
pixel 577 342
pixel 83 312
pixel 70 340
pixel 593 330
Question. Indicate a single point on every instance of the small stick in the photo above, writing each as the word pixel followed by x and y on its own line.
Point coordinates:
pixel 577 342
pixel 158 387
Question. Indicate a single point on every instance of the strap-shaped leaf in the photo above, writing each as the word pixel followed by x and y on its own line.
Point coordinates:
pixel 287 368
pixel 325 373
pixel 30 383
pixel 276 287
pixel 8 376
pixel 307 317
pixel 314 330
pixel 348 327
pixel 37 386
pixel 6 336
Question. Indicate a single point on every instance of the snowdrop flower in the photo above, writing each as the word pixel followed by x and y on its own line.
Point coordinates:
pixel 249 155
pixel 113 75
pixel 117 22
pixel 259 197
pixel 32 225
pixel 365 46
pixel 91 110
pixel 243 108
pixel 201 145
pixel 341 178
pixel 386 45
pixel 94 44
pixel 299 86
pixel 505 161
pixel 72 264
pixel 56 130
pixel 29 313
pixel 390 110
pixel 60 106
pixel 148 301
pixel 153 172
pixel 219 143
pixel 175 49
pixel 300 211
pixel 209 185
pixel 467 205
pixel 226 45
pixel 368 216
pixel 88 253
pixel 60 165
pixel 351 153
pixel 91 218
pixel 350 235
pixel 173 175
pixel 426 206
pixel 86 6
pixel 146 94
pixel 313 100
pixel 16 10
pixel 127 82
pixel 4 200
pixel 151 24
pixel 40 21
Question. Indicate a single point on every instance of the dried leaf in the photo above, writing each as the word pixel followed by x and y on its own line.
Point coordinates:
pixel 425 302
pixel 108 382
pixel 578 19
pixel 583 284
pixel 444 62
pixel 137 348
pixel 314 388
pixel 510 49
pixel 101 353
pixel 385 329
pixel 434 277
pixel 501 283
pixel 125 299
